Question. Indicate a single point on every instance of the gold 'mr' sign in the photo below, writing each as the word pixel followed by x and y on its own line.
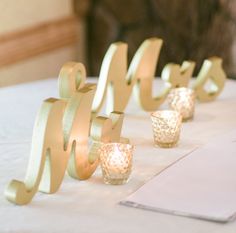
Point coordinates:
pixel 63 126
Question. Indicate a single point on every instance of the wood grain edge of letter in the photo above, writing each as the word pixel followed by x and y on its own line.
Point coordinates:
pixel 63 126
pixel 60 137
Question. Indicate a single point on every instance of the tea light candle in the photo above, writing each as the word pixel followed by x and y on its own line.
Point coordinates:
pixel 116 162
pixel 183 100
pixel 166 126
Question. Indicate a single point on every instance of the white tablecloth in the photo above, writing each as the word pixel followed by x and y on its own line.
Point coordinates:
pixel 91 206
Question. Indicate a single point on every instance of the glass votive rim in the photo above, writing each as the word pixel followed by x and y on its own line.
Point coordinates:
pixel 103 145
pixel 165 113
pixel 189 90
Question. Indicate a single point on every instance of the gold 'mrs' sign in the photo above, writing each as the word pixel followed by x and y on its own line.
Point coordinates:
pixel 117 82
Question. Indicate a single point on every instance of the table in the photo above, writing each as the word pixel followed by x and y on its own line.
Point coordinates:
pixel 91 206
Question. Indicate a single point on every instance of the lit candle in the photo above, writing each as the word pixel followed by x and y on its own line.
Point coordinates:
pixel 183 100
pixel 166 126
pixel 116 162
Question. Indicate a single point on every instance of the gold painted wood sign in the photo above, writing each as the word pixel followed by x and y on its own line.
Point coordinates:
pixel 116 82
pixel 64 126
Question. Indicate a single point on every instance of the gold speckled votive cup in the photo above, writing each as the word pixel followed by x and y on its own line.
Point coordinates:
pixel 166 126
pixel 116 162
pixel 183 100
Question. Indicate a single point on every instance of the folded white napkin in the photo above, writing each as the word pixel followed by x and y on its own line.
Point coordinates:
pixel 201 185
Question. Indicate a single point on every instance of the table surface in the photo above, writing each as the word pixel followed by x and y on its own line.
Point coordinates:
pixel 91 206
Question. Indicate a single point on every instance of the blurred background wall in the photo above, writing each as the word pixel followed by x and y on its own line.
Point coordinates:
pixel 38 36
pixel 194 30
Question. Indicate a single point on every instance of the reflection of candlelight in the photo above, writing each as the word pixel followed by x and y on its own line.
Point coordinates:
pixel 166 127
pixel 183 100
pixel 116 162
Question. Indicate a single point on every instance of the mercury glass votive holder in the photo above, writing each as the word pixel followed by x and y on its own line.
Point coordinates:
pixel 116 162
pixel 183 100
pixel 166 126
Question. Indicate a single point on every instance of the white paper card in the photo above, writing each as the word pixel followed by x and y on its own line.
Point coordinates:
pixel 201 185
